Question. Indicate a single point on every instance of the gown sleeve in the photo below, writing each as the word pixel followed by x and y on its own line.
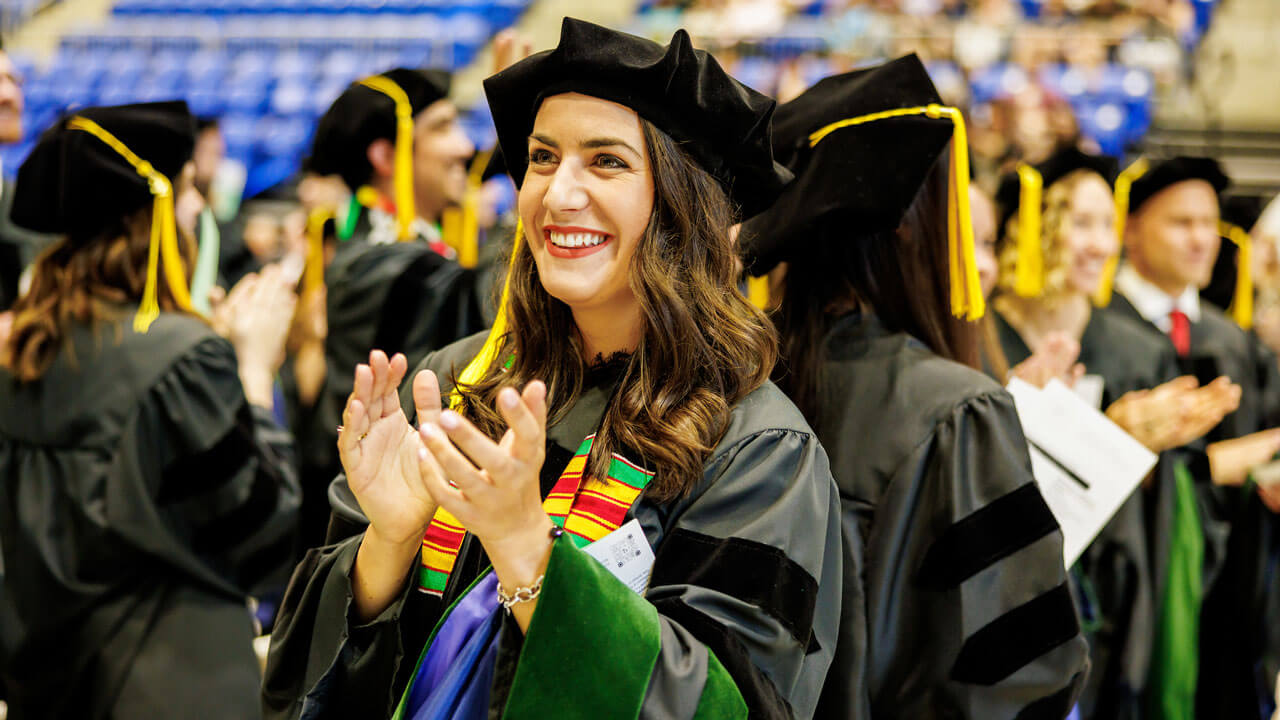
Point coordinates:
pixel 739 618
pixel 968 609
pixel 225 496
pixel 322 662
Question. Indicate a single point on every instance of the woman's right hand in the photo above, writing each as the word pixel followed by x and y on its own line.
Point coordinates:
pixel 380 450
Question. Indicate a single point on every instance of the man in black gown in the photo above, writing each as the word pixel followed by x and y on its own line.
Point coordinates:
pixel 1172 240
pixel 392 284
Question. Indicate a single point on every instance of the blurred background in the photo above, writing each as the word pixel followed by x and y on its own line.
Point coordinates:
pixel 1117 76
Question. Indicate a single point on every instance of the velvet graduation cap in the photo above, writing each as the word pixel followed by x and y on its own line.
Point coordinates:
pixel 1021 193
pixel 97 165
pixel 379 107
pixel 862 144
pixel 722 123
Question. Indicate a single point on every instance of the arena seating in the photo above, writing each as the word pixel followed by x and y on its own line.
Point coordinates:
pixel 266 68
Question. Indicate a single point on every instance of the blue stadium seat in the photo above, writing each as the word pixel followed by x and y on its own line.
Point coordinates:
pixel 246 96
pixel 291 98
pixel 238 131
pixel 1106 123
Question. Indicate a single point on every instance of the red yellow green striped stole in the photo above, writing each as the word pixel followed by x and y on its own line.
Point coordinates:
pixel 586 510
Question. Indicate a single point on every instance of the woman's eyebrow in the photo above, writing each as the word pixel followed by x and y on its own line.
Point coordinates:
pixel 601 142
pixel 590 144
pixel 545 140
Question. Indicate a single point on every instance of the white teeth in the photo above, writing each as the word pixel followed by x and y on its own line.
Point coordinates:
pixel 576 240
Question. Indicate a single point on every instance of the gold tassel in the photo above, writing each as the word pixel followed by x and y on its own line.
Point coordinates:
pixel 406 213
pixel 313 274
pixel 967 300
pixel 475 370
pixel 1124 182
pixel 1028 276
pixel 451 227
pixel 460 226
pixel 1241 309
pixel 469 245
pixel 164 231
pixel 758 291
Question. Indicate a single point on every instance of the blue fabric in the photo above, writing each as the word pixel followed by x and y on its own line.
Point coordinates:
pixel 454 678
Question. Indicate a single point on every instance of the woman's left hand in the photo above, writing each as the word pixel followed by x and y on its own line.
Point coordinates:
pixel 493 489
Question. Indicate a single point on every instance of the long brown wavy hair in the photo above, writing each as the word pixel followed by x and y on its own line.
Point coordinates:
pixel 901 275
pixel 83 279
pixel 703 347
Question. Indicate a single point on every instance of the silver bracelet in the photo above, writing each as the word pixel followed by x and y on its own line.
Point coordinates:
pixel 521 594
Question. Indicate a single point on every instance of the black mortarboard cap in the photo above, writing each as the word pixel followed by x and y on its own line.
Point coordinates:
pixel 723 124
pixel 362 115
pixel 73 182
pixel 1173 171
pixel 867 173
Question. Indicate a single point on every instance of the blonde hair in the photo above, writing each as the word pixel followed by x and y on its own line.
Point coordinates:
pixel 1057 206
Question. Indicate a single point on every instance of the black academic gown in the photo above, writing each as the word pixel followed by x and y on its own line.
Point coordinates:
pixel 141 499
pixel 397 297
pixel 956 600
pixel 1239 647
pixel 1120 576
pixel 747 568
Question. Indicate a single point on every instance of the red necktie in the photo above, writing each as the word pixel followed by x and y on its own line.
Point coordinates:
pixel 1180 331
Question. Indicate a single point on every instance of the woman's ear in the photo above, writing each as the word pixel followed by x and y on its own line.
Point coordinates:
pixel 382 156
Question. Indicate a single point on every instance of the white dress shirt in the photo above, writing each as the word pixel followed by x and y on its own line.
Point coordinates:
pixel 1153 303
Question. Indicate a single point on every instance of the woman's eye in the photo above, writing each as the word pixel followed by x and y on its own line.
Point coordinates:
pixel 540 157
pixel 611 162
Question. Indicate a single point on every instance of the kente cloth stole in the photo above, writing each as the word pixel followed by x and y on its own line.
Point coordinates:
pixel 586 510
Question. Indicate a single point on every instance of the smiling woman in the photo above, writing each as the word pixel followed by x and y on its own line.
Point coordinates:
pixel 625 380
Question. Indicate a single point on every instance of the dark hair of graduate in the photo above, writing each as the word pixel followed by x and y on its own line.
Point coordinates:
pixel 84 280
pixel 703 347
pixel 901 275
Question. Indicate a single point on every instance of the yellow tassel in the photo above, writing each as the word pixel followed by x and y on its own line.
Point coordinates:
pixel 164 231
pixel 968 303
pixel 469 243
pixel 1241 309
pixel 460 226
pixel 758 291
pixel 313 275
pixel 967 300
pixel 451 227
pixel 406 213
pixel 1028 277
pixel 1124 182
pixel 475 370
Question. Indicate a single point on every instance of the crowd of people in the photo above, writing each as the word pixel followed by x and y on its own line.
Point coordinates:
pixel 711 423
pixel 1029 75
